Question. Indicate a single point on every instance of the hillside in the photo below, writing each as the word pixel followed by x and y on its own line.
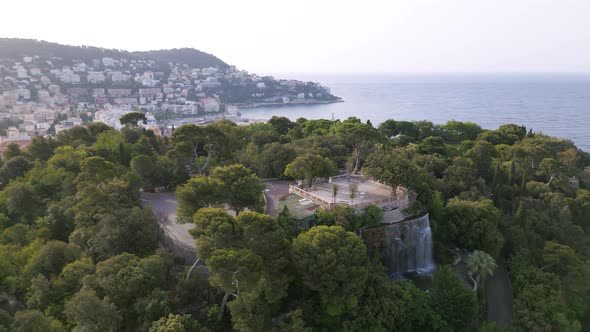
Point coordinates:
pixel 183 82
pixel 11 48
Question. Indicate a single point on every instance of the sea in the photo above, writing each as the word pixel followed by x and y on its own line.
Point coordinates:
pixel 554 104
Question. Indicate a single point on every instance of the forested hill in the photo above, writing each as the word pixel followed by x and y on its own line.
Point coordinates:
pixel 15 48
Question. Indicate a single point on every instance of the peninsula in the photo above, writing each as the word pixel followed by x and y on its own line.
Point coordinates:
pixel 50 81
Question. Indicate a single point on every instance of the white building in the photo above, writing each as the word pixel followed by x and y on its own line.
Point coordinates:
pixel 79 67
pixel 118 77
pixel 108 62
pixel 68 76
pixel 95 77
pixel 209 105
pixel 150 83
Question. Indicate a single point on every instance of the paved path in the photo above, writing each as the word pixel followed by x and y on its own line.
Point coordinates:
pixel 274 190
pixel 164 209
pixel 499 295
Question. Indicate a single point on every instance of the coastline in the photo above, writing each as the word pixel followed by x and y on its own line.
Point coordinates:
pixel 295 102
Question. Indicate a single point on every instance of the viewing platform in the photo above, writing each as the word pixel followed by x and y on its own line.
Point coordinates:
pixel 368 192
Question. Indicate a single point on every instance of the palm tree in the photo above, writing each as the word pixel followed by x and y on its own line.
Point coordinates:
pixel 481 265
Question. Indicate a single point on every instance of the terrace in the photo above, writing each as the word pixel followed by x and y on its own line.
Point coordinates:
pixel 368 192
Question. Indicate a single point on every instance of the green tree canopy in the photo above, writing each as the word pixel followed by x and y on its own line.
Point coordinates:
pixel 332 262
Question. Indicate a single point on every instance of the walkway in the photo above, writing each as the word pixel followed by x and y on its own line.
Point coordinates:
pixel 499 295
pixel 164 209
pixel 274 190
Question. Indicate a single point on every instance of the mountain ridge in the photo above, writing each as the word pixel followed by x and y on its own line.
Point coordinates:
pixel 14 48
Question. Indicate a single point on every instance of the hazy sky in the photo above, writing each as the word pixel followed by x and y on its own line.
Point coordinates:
pixel 325 35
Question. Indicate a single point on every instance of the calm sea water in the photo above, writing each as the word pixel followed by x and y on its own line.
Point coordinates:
pixel 555 104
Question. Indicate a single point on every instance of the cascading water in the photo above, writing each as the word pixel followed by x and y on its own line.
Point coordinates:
pixel 405 246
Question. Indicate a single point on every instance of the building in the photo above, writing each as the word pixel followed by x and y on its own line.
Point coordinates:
pixel 118 77
pixel 98 92
pixel 150 83
pixel 108 62
pixel 119 92
pixel 67 124
pixel 67 76
pixel 95 77
pixel 209 105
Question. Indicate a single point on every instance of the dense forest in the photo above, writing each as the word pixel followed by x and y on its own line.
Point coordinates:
pixel 79 252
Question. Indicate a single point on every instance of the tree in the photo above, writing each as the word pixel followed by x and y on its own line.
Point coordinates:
pixel 199 192
pixel 22 201
pixel 177 323
pixel 41 148
pixel 273 159
pixel 394 167
pixel 126 278
pixel 13 168
pixel 452 300
pixel 75 137
pixel 95 128
pixel 131 119
pixel 144 147
pixel 432 145
pixel 559 255
pixel 456 131
pixel 281 124
pixel 353 190
pixel 372 215
pixel 144 167
pixel 69 280
pixel 95 170
pixel 387 305
pixel 334 193
pixel 481 265
pixel 332 262
pixel 481 154
pixel 361 136
pixel 309 166
pixel 388 128
pixel 238 187
pixel 35 321
pixel 90 313
pixel 126 230
pixel 12 150
pixel 472 225
pixel 68 158
pixel 190 142
pixel 51 258
pixel 111 146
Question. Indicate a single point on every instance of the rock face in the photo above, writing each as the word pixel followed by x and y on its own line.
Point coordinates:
pixel 404 247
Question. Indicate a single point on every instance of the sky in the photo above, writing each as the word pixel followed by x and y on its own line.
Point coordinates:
pixel 324 35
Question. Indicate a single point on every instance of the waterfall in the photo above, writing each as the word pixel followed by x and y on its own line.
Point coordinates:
pixel 405 246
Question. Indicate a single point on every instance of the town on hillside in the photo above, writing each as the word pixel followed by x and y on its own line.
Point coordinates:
pixel 42 95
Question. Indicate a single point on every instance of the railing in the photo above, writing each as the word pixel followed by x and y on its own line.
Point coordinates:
pixel 395 201
pixel 306 194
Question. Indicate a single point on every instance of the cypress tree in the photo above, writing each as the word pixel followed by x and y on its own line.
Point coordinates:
pixel 512 174
pixel 523 184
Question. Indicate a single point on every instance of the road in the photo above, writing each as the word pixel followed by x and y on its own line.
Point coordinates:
pixel 164 209
pixel 274 190
pixel 499 295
